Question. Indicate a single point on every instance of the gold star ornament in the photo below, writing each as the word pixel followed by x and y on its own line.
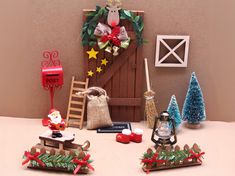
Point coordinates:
pixel 90 73
pixel 104 62
pixel 92 53
pixel 99 69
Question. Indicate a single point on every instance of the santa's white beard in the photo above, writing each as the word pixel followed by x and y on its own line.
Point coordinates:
pixel 56 120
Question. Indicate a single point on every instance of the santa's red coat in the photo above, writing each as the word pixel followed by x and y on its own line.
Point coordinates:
pixel 57 127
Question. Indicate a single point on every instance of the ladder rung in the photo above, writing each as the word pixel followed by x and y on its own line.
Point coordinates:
pixel 75 116
pixel 79 82
pixel 76 102
pixel 74 123
pixel 77 96
pixel 74 120
pixel 75 109
pixel 79 89
pixel 75 113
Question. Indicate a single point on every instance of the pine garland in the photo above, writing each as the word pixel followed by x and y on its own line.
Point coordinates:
pixel 137 24
pixel 171 156
pixel 58 161
pixel 93 18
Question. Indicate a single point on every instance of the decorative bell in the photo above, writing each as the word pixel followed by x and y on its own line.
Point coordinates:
pixel 108 49
pixel 115 50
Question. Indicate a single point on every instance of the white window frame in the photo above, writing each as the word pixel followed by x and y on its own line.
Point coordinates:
pixel 159 62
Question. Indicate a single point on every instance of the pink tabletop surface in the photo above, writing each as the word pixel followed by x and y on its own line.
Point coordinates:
pixel 216 139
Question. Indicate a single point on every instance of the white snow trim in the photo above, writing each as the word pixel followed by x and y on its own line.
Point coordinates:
pixel 126 131
pixel 138 131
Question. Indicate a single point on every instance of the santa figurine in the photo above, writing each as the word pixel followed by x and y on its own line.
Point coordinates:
pixel 56 123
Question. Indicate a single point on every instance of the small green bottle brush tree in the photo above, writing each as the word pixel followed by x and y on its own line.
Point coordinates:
pixel 194 106
pixel 174 112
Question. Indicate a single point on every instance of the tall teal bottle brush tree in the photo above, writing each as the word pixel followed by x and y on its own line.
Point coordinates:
pixel 174 112
pixel 194 106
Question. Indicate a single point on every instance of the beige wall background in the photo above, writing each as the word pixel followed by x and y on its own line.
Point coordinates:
pixel 30 26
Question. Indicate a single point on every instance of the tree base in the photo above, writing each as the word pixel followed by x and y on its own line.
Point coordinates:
pixel 193 125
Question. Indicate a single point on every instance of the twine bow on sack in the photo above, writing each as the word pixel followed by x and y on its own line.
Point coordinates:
pixel 101 93
pixel 91 90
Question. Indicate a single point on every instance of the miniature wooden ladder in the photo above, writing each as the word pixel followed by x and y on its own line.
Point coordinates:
pixel 76 105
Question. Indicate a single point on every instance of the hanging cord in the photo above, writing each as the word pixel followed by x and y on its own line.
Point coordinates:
pixel 91 90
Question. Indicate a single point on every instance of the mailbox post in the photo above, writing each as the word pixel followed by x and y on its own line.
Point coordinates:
pixel 52 75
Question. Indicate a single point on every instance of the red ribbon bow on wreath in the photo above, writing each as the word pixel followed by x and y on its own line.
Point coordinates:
pixel 152 160
pixel 81 163
pixel 195 155
pixel 32 157
pixel 113 37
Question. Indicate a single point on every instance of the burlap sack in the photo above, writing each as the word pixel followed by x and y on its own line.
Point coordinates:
pixel 97 109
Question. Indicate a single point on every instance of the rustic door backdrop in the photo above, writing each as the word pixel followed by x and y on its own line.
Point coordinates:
pixel 121 77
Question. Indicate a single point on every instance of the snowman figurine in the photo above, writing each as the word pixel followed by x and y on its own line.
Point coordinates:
pixel 56 123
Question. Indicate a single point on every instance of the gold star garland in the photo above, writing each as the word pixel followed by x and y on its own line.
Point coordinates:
pixel 90 73
pixel 99 69
pixel 104 62
pixel 93 54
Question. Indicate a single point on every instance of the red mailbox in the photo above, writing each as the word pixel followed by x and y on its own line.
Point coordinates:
pixel 52 74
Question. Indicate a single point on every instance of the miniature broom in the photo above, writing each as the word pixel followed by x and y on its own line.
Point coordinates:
pixel 150 107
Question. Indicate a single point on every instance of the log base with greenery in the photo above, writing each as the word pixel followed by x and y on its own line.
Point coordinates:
pixel 170 158
pixel 76 162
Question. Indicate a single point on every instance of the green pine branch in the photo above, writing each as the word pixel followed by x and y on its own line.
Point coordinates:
pixel 58 161
pixel 172 156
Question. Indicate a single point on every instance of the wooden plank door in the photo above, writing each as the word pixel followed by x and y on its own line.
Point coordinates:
pixel 121 78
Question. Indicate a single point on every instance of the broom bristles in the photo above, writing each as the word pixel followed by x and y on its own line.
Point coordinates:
pixel 150 108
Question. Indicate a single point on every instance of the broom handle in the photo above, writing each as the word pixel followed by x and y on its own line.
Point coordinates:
pixel 147 74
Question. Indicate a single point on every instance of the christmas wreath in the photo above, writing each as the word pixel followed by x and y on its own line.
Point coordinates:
pixel 101 13
pixel 101 28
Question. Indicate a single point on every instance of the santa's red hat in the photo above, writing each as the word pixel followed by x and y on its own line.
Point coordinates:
pixel 53 113
pixel 53 110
